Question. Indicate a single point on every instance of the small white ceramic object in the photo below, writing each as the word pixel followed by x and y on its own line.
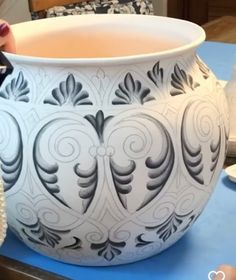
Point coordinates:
pixel 230 90
pixel 3 220
pixel 231 172
pixel 109 160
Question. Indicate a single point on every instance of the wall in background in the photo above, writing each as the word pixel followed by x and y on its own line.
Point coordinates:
pixel 14 11
pixel 160 7
pixel 218 8
pixel 201 11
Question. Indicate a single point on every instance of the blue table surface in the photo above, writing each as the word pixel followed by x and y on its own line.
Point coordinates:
pixel 210 242
pixel 219 57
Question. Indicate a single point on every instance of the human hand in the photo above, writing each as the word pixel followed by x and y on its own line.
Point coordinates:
pixel 228 271
pixel 7 41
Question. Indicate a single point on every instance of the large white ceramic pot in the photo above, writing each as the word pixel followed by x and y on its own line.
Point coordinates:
pixel 110 152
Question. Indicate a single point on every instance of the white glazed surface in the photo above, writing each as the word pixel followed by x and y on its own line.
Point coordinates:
pixel 231 172
pixel 3 219
pixel 109 161
pixel 190 35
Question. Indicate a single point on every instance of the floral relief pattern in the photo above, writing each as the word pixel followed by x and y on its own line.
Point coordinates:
pixel 181 81
pixel 12 158
pixel 193 155
pixel 69 92
pixel 140 242
pixel 131 91
pixel 191 220
pixel 87 180
pixel 160 168
pixel 108 249
pixel 109 183
pixel 76 245
pixel 122 178
pixel 47 173
pixel 156 75
pixel 17 89
pixel 215 150
pixel 41 234
pixel 166 229
pixel 98 122
pixel 203 68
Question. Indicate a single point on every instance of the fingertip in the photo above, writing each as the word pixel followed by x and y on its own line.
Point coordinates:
pixel 4 29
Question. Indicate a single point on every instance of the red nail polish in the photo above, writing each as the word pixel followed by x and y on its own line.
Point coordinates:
pixel 4 29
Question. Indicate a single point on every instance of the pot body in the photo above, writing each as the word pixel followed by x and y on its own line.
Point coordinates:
pixel 112 163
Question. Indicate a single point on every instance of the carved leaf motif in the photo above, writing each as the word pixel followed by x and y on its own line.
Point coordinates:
pixel 17 89
pixel 131 91
pixel 156 75
pixel 11 164
pixel 122 178
pixel 203 68
pixel 99 123
pixel 69 92
pixel 206 135
pixel 215 149
pixel 41 234
pixel 74 246
pixel 192 219
pixel 140 242
pixel 159 168
pixel 108 249
pixel 192 155
pixel 169 226
pixel 88 180
pixel 180 80
pixel 193 161
pixel 144 142
pixel 47 173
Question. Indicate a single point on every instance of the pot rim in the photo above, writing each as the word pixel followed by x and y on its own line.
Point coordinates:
pixel 181 28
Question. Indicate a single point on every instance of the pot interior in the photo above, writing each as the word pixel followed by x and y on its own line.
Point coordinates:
pixel 102 36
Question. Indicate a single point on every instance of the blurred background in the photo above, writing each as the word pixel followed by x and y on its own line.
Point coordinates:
pixel 218 17
pixel 198 11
